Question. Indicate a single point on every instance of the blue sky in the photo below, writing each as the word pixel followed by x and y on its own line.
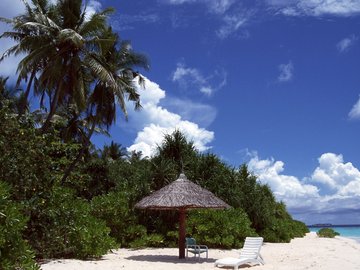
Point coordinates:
pixel 271 83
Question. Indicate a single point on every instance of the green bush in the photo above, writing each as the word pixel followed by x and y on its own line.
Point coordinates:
pixel 113 208
pixel 327 232
pixel 219 228
pixel 172 238
pixel 92 180
pixel 282 230
pixel 59 224
pixel 62 226
pixel 151 240
pixel 298 229
pixel 279 232
pixel 15 253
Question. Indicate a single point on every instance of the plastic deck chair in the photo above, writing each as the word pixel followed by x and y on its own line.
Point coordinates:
pixel 249 254
pixel 192 247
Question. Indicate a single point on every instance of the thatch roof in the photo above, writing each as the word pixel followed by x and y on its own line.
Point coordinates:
pixel 181 193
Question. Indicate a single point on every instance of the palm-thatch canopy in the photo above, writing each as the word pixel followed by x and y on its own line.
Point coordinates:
pixel 181 194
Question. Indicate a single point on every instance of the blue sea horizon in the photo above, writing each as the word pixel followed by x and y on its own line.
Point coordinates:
pixel 349 231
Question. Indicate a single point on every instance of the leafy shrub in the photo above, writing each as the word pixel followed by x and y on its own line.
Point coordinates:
pixel 151 240
pixel 63 226
pixel 132 176
pixel 172 238
pixel 282 230
pixel 220 229
pixel 113 208
pixel 327 232
pixel 298 229
pixel 278 232
pixel 281 227
pixel 59 224
pixel 93 179
pixel 15 253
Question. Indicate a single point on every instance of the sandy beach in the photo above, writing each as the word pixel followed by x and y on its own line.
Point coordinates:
pixel 309 252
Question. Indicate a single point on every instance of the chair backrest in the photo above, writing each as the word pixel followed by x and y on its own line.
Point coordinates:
pixel 251 247
pixel 190 241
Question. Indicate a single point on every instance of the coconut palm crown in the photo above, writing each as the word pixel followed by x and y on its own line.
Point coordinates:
pixel 67 51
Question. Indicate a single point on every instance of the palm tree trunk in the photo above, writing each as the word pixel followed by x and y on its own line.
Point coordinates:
pixel 53 106
pixel 27 92
pixel 85 145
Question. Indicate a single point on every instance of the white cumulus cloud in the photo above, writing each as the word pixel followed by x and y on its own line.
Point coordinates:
pixel 345 44
pixel 342 178
pixel 232 23
pixel 231 14
pixel 220 6
pixel 92 7
pixel 331 192
pixel 355 111
pixel 179 2
pixel 286 72
pixel 191 77
pixel 154 122
pixel 317 7
pixel 286 188
pixel 214 6
pixel 202 114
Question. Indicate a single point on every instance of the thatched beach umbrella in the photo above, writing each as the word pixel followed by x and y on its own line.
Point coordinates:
pixel 181 194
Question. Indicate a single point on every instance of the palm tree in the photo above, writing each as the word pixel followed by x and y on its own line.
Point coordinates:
pixel 176 148
pixel 67 51
pixel 66 54
pixel 120 59
pixel 100 113
pixel 114 151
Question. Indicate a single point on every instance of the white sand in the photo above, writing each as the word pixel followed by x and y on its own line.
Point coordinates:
pixel 309 252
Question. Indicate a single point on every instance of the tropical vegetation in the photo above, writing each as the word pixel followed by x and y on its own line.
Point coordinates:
pixel 327 233
pixel 60 196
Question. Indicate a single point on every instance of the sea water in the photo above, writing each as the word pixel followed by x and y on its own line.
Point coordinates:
pixel 349 231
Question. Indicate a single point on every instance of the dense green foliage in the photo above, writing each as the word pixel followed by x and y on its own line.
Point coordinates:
pixel 238 187
pixel 15 253
pixel 93 210
pixel 65 228
pixel 221 229
pixel 114 209
pixel 327 232
pixel 59 223
pixel 61 197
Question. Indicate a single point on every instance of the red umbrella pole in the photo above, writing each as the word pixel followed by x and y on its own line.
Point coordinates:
pixel 182 232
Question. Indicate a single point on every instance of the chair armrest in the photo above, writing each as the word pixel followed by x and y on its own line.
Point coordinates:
pixel 197 247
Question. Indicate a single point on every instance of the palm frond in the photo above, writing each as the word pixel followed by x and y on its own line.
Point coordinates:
pixel 99 68
pixel 128 58
pixel 95 25
pixel 6 20
pixel 9 52
pixel 69 35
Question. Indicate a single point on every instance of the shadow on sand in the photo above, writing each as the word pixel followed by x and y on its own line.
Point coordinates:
pixel 169 259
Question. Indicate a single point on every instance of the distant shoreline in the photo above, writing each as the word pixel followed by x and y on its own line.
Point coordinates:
pixel 332 225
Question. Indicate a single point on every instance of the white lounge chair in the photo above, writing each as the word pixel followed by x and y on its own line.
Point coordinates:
pixel 249 254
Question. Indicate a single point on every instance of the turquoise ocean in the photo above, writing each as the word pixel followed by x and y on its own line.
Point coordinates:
pixel 349 231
